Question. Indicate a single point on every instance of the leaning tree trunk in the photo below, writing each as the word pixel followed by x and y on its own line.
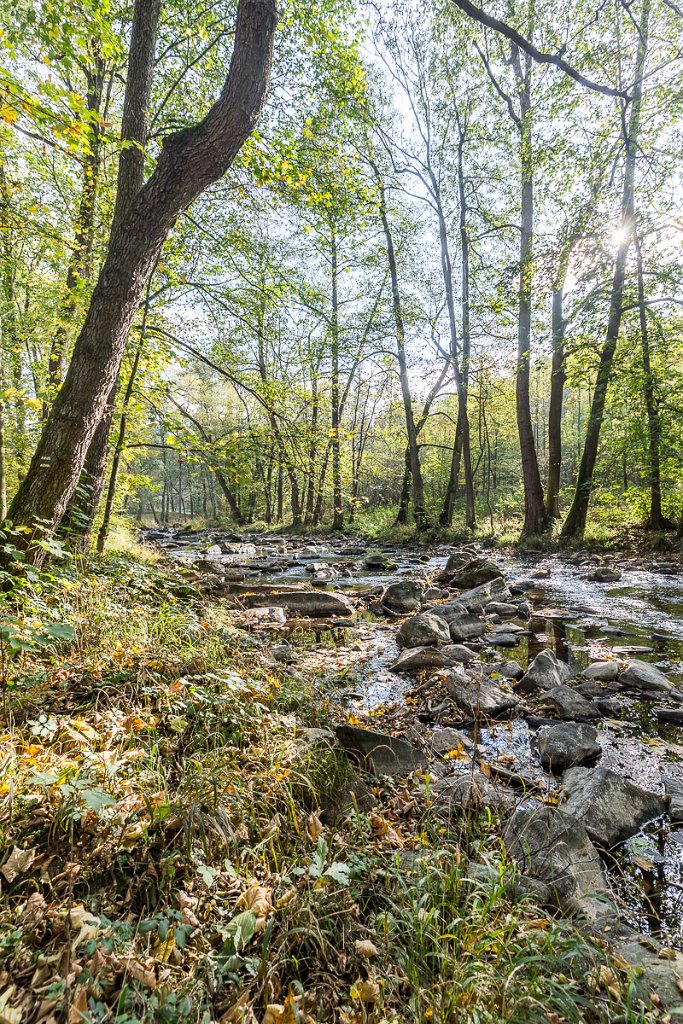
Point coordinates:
pixel 575 523
pixel 189 162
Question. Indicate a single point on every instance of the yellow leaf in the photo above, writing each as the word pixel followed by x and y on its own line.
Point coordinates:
pixel 8 114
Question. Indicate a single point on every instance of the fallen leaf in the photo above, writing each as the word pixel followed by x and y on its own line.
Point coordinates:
pixel 314 828
pixel 18 863
pixel 366 991
pixel 366 948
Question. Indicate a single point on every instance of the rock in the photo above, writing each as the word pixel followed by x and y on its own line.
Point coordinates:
pixel 604 575
pixel 284 653
pixel 423 630
pixel 275 616
pixel 555 848
pixel 458 560
pixel 463 625
pixel 569 704
pixel 510 670
pixel 213 551
pixel 501 608
pixel 640 675
pixel 655 974
pixel 471 791
pixel 610 707
pixel 405 596
pixel 460 653
pixel 442 741
pixel 565 745
pixel 610 807
pixel 381 753
pixel 417 659
pixel 303 602
pixel 517 886
pixel 602 671
pixel 504 639
pixel 674 796
pixel 379 561
pixel 545 672
pixel 475 600
pixel 479 697
pixel 672 715
pixel 475 573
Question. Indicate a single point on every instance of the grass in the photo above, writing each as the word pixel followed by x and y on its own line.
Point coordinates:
pixel 176 848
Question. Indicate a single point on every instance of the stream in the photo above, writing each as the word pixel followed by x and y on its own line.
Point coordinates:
pixel 639 615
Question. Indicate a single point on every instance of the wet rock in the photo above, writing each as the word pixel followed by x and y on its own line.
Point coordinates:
pixel 604 575
pixel 545 672
pixel 502 608
pixel 471 791
pixel 417 659
pixel 405 596
pixel 569 704
pixel 458 560
pixel 602 671
pixel 555 848
pixel 610 807
pixel 475 573
pixel 475 600
pixel 442 741
pixel 479 697
pixel 565 745
pixel 463 624
pixel 674 797
pixel 379 561
pixel 379 752
pixel 303 602
pixel 423 630
pixel 640 675
pixel 504 639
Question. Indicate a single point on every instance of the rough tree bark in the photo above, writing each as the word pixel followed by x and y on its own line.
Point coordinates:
pixel 337 497
pixel 575 522
pixel 189 162
pixel 656 519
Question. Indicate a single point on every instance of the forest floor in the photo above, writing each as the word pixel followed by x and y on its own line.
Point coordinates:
pixel 183 841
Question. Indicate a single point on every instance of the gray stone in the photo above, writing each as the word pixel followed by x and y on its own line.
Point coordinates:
pixel 674 795
pixel 475 600
pixel 479 697
pixel 510 670
pixel 442 741
pixel 417 659
pixel 380 561
pixel 303 602
pixel 504 639
pixel 565 745
pixel 475 573
pixel 458 560
pixel 405 596
pixel 655 974
pixel 471 791
pixel 423 630
pixel 501 608
pixel 379 752
pixel 610 807
pixel 604 575
pixel 555 848
pixel 267 616
pixel 570 705
pixel 517 887
pixel 602 671
pixel 640 675
pixel 545 672
pixel 460 653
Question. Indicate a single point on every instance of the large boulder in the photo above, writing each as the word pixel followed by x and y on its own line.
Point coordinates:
pixel 555 848
pixel 380 753
pixel 475 600
pixel 569 705
pixel 403 597
pixel 545 672
pixel 463 624
pixel 479 696
pixel 565 745
pixel 423 630
pixel 640 675
pixel 312 603
pixel 475 573
pixel 610 807
pixel 458 560
pixel 602 671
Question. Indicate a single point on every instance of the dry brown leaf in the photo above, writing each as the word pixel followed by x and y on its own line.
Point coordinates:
pixel 18 863
pixel 79 1005
pixel 366 948
pixel 257 898
pixel 85 923
pixel 314 827
pixel 9 1014
pixel 366 991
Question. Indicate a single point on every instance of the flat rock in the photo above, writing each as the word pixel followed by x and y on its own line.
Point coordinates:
pixel 274 616
pixel 479 697
pixel 655 974
pixel 545 672
pixel 417 659
pixel 504 639
pixel 423 630
pixel 569 704
pixel 674 796
pixel 610 807
pixel 555 848
pixel 604 575
pixel 602 671
pixel 303 602
pixel 379 752
pixel 640 675
pixel 565 745
pixel 475 600
pixel 502 608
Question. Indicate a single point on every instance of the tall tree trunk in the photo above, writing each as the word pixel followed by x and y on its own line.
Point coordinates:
pixel 404 500
pixel 189 162
pixel 9 324
pixel 421 520
pixel 558 377
pixel 656 518
pixel 337 497
pixel 575 523
pixel 534 507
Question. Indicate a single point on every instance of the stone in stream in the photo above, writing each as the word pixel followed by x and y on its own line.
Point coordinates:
pixel 545 672
pixel 417 659
pixel 463 624
pixel 475 573
pixel 469 791
pixel 674 796
pixel 610 807
pixel 213 551
pixel 303 602
pixel 604 575
pixel 566 745
pixel 640 675
pixel 502 608
pixel 475 600
pixel 442 741
pixel 422 630
pixel 479 697
pixel 379 561
pixel 555 848
pixel 379 752
pixel 405 596
pixel 504 639
pixel 602 671
pixel 457 560
pixel 658 970
pixel 569 705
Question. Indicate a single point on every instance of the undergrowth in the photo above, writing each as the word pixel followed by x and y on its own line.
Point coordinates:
pixel 178 846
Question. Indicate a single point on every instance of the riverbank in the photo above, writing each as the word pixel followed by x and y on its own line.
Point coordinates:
pixel 186 836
